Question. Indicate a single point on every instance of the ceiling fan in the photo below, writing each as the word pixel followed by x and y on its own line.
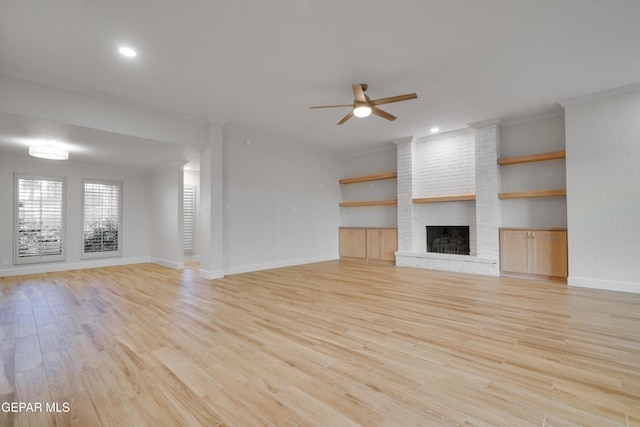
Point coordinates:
pixel 363 106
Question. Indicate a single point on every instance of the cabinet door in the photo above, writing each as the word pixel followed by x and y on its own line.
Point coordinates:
pixel 382 243
pixel 352 243
pixel 549 253
pixel 514 251
pixel 390 244
pixel 374 243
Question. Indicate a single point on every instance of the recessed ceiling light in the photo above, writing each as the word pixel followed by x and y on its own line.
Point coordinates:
pixel 127 51
pixel 434 130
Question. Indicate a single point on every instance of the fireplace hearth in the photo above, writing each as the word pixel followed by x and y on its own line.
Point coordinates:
pixel 449 239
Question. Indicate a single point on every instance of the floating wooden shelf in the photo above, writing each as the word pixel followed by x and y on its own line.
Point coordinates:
pixel 532 193
pixel 542 157
pixel 366 178
pixel 448 198
pixel 369 203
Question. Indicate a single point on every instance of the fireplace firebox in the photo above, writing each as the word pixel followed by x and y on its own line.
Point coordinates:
pixel 449 239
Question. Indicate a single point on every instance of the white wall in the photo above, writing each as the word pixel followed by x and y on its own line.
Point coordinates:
pixel 135 213
pixel 378 161
pixel 541 135
pixel 281 204
pixel 167 187
pixel 369 164
pixel 212 213
pixel 603 189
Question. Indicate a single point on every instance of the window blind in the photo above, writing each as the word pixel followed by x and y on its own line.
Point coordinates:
pixel 40 218
pixel 102 218
pixel 189 214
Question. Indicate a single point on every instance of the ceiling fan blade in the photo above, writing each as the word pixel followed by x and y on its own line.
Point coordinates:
pixel 394 99
pixel 333 106
pixel 382 113
pixel 358 92
pixel 345 118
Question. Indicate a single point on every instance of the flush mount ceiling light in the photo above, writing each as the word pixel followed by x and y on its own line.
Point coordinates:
pixel 434 130
pixel 48 152
pixel 127 51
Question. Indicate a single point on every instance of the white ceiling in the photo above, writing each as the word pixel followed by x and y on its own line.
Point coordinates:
pixel 259 65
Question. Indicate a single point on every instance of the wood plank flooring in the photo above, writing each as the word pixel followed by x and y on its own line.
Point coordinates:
pixel 329 344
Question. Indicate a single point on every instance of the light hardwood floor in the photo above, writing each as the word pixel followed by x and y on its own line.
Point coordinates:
pixel 327 344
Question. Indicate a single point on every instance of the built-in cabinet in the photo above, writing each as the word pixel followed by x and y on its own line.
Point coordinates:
pixel 369 244
pixel 374 244
pixel 536 252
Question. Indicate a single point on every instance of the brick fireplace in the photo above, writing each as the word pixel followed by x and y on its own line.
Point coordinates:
pixel 450 180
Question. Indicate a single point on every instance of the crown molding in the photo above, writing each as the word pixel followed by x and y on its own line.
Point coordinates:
pixel 403 140
pixel 105 96
pixel 444 135
pixel 384 147
pixel 621 90
pixel 256 134
pixel 523 120
pixel 485 123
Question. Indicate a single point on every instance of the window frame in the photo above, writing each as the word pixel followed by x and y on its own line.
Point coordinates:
pixel 17 259
pixel 100 254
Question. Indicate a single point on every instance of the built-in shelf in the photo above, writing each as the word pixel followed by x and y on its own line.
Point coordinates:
pixel 542 157
pixel 447 198
pixel 532 193
pixel 391 202
pixel 367 178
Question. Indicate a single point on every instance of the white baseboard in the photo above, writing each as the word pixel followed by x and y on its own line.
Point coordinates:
pixel 210 275
pixel 167 263
pixel 607 285
pixel 110 262
pixel 65 266
pixel 279 264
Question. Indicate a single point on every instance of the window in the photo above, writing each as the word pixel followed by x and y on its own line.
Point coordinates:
pixel 102 213
pixel 39 224
pixel 189 214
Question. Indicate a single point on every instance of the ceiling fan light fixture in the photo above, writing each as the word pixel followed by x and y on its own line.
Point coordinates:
pixel 48 152
pixel 363 106
pixel 361 110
